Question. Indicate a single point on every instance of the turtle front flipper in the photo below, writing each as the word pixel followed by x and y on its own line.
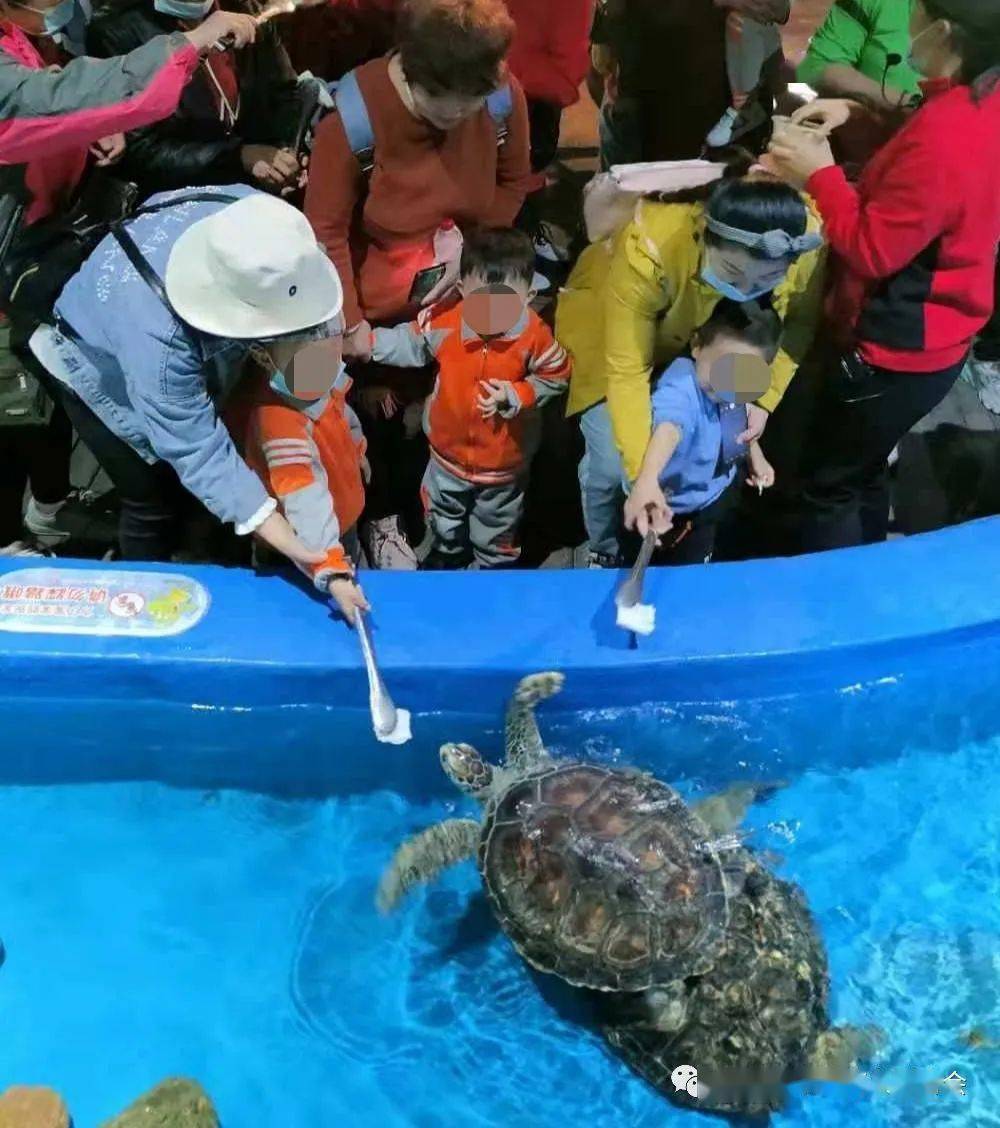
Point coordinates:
pixel 722 813
pixel 523 740
pixel 422 857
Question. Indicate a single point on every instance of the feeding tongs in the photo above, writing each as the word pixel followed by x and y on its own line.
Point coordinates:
pixel 633 614
pixel 391 725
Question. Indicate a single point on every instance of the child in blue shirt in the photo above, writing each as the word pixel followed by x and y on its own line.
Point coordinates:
pixel 698 413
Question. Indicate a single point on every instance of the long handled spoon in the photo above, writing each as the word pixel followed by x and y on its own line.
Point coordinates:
pixel 391 725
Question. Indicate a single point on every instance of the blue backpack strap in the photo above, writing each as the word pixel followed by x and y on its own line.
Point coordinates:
pixel 355 120
pixel 501 105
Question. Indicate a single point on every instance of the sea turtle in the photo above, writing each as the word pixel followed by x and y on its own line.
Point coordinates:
pixel 606 878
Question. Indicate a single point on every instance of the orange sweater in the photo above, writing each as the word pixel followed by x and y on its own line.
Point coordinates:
pixel 310 460
pixel 380 234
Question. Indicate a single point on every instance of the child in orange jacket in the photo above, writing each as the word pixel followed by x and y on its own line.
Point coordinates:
pixel 306 445
pixel 497 361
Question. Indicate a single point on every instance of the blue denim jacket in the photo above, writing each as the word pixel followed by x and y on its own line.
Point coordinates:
pixel 152 379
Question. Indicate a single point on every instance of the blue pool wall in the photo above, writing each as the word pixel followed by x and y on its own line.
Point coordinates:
pixel 925 611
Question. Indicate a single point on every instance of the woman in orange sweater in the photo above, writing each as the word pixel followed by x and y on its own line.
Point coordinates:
pixel 440 156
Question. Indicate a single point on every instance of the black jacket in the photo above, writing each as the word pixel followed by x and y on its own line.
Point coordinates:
pixel 195 147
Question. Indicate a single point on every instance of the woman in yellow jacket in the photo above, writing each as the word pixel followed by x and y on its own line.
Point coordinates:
pixel 633 302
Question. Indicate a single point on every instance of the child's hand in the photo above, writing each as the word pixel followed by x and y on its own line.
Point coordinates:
pixel 646 507
pixel 348 597
pixel 493 397
pixel 761 471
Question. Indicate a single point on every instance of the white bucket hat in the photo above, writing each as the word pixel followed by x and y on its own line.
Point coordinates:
pixel 251 270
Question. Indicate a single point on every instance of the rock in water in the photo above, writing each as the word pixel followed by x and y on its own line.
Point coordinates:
pixel 174 1103
pixel 31 1106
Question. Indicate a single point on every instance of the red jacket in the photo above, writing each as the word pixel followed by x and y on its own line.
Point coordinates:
pixel 551 49
pixel 915 241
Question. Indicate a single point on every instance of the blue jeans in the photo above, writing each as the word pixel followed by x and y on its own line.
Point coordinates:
pixel 602 481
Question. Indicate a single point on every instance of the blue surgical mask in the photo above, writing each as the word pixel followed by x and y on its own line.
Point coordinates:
pixel 55 18
pixel 280 385
pixel 728 290
pixel 191 10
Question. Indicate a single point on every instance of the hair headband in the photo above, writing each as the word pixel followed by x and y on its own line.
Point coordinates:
pixel 775 244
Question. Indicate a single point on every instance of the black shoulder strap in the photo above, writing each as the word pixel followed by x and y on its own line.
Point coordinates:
pixel 124 239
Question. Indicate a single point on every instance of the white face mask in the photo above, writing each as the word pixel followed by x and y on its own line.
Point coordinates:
pixel 911 59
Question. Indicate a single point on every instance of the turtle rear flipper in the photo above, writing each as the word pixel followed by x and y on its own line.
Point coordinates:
pixel 723 812
pixel 422 857
pixel 836 1052
pixel 523 740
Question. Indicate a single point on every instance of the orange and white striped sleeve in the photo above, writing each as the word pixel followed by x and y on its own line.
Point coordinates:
pixel 297 478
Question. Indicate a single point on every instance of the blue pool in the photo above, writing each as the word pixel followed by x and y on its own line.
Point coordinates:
pixel 189 863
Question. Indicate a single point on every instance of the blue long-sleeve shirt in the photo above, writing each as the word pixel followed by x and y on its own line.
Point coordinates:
pixel 152 379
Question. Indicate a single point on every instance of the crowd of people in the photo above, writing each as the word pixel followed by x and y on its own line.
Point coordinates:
pixel 292 268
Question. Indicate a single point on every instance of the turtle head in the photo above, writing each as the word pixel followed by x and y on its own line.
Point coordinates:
pixel 466 769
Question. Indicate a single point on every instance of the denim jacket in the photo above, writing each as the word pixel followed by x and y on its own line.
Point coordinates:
pixel 153 380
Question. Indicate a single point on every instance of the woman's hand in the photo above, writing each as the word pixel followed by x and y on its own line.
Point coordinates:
pixel 349 598
pixel 219 25
pixel 646 507
pixel 109 150
pixel 796 158
pixel 827 114
pixel 276 532
pixel 274 169
pixel 357 344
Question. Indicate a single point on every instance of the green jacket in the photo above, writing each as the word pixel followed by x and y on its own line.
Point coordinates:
pixel 862 34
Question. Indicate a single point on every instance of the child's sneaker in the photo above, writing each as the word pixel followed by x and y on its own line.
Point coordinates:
pixel 547 245
pixel 602 560
pixel 386 546
pixel 734 123
pixel 984 376
pixel 721 134
pixel 25 548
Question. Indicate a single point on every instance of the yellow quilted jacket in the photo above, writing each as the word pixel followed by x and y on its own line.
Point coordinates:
pixel 633 301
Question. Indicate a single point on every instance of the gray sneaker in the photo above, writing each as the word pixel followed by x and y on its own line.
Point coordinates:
pixel 984 376
pixel 80 517
pixel 24 548
pixel 386 546
pixel 602 560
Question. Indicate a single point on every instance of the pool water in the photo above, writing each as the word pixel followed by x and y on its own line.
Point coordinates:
pixel 230 935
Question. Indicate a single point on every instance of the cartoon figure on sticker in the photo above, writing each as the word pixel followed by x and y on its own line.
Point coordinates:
pixel 167 609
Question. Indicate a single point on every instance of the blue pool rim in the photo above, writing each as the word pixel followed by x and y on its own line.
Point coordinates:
pixel 457 641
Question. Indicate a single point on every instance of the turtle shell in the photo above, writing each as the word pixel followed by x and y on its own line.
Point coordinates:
pixel 603 877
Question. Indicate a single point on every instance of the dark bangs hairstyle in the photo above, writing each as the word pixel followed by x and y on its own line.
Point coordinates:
pixel 975 36
pixel 498 254
pixel 454 46
pixel 742 321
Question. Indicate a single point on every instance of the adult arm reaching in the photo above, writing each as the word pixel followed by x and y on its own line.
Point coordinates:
pixel 44 112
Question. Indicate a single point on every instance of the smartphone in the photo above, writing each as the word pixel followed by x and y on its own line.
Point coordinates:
pixel 424 282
